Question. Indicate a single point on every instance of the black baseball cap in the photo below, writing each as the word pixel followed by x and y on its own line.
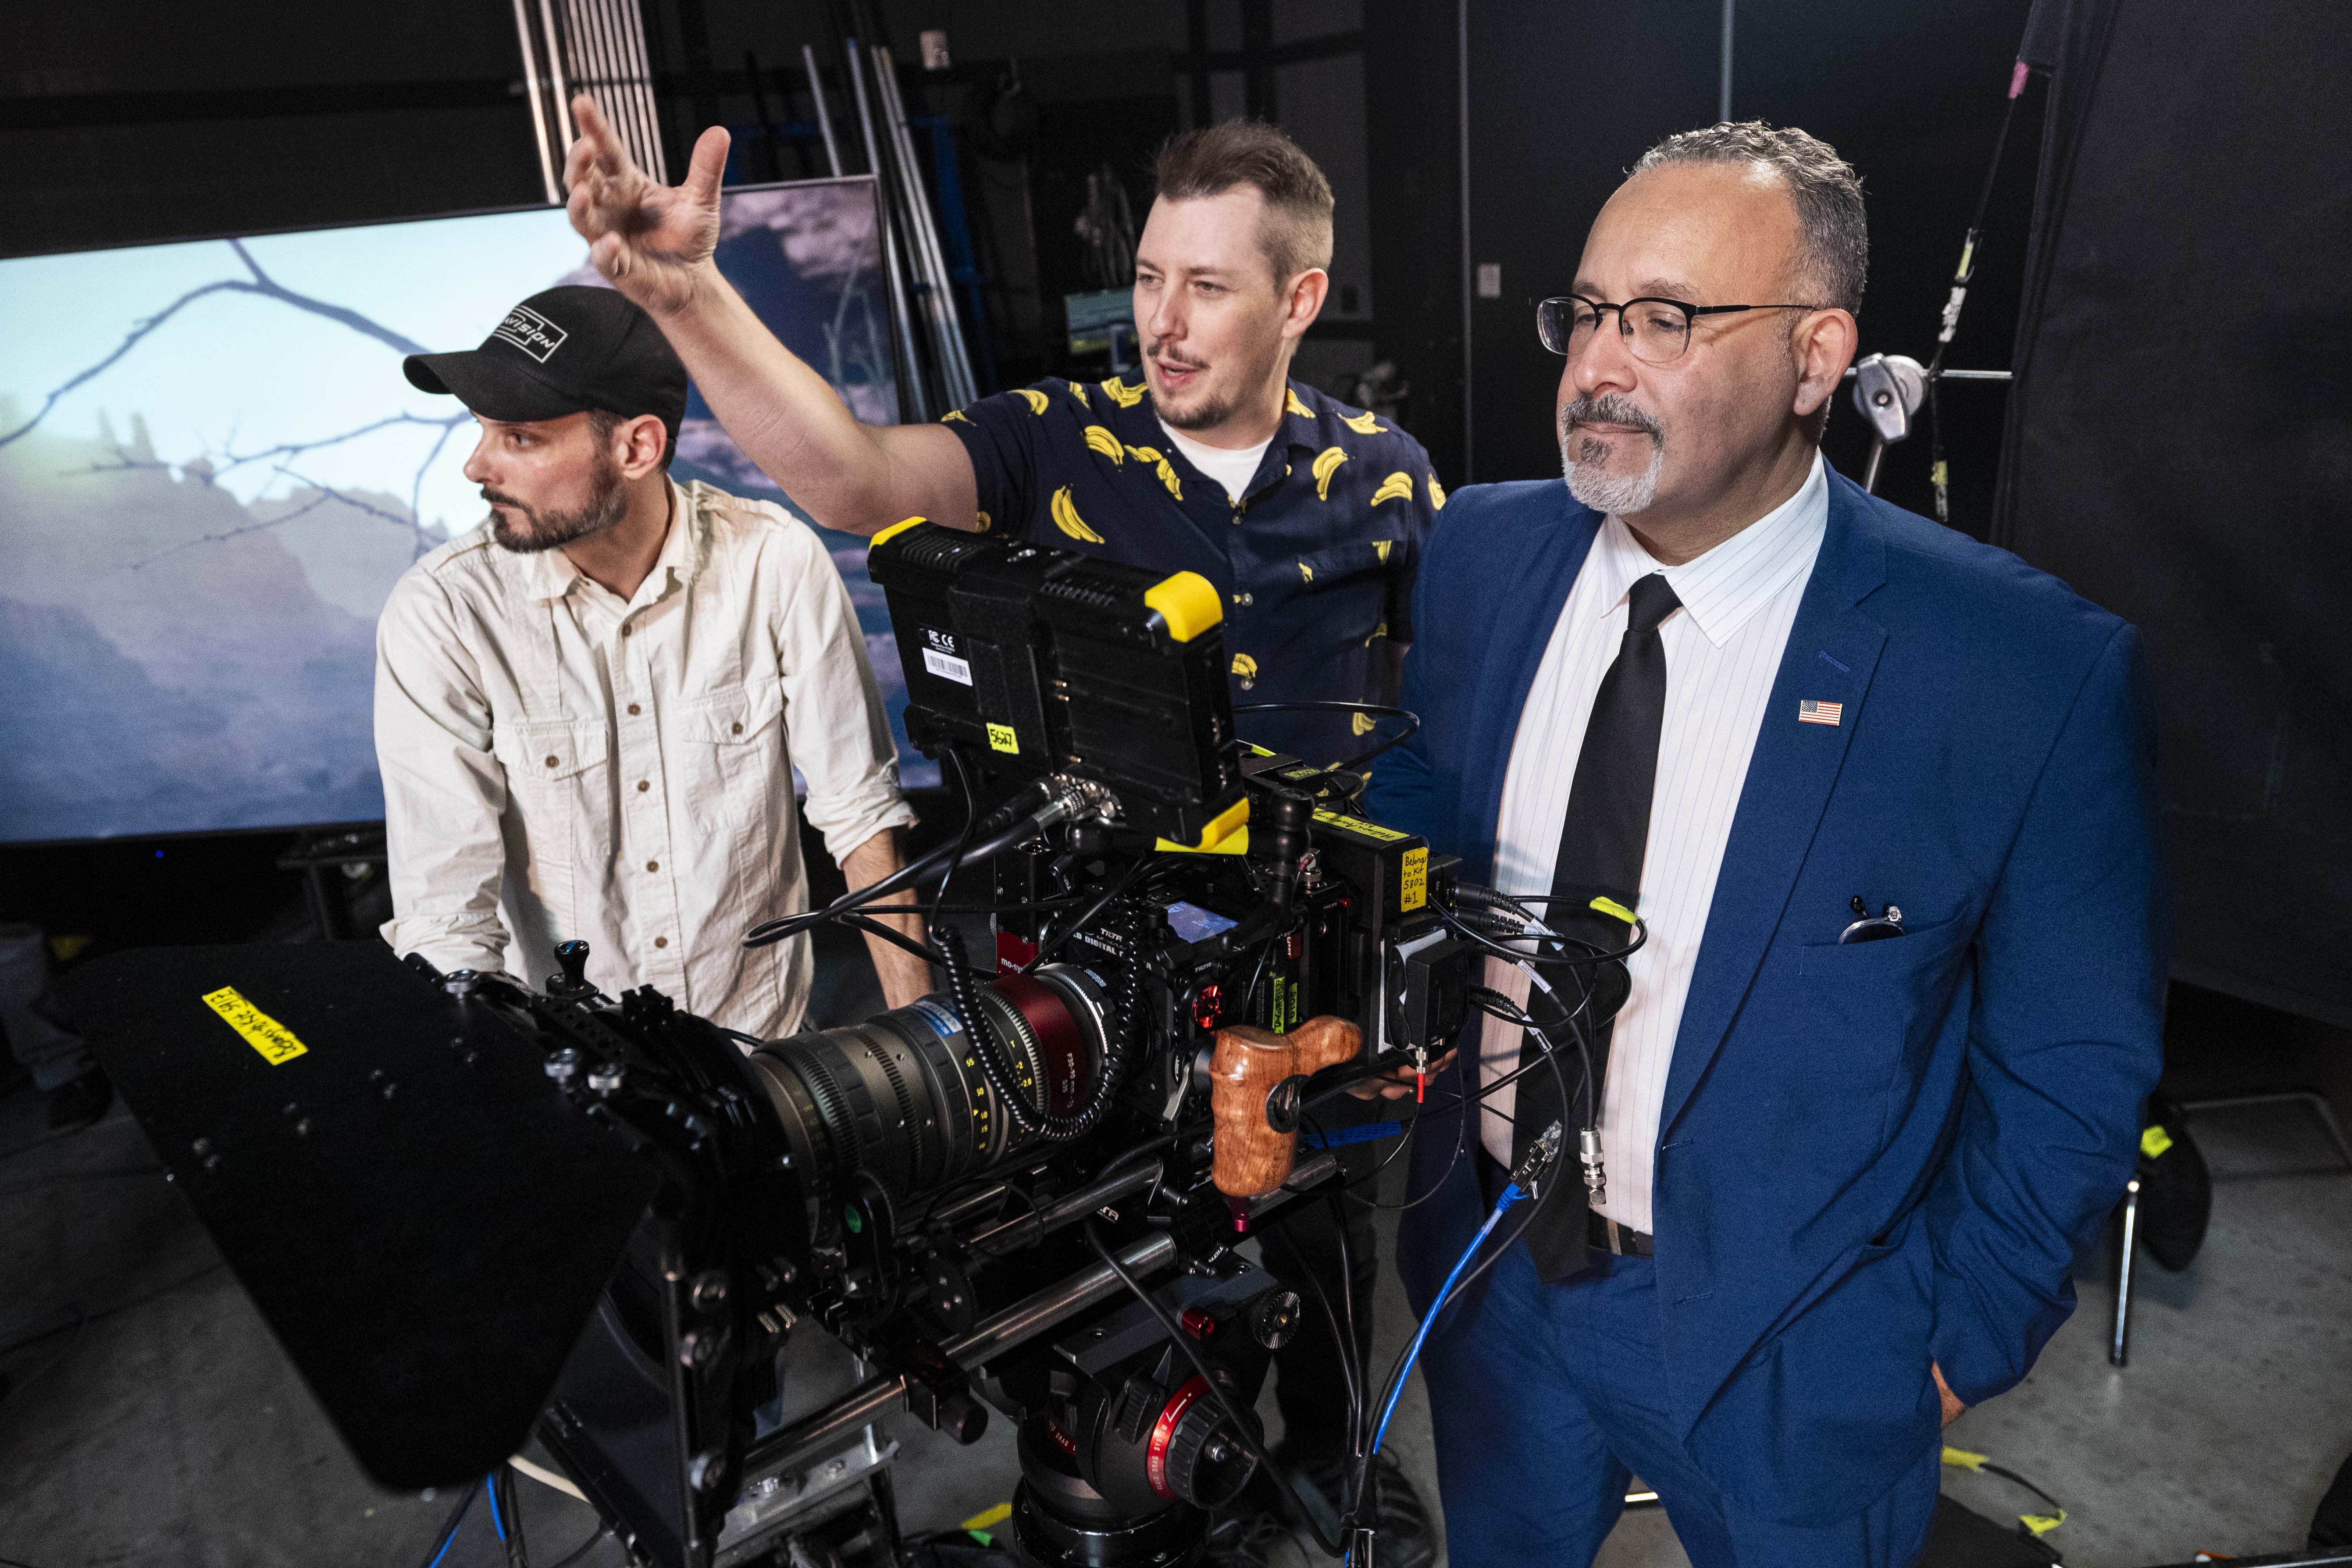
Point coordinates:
pixel 560 352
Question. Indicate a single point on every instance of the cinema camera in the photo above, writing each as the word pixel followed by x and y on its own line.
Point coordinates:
pixel 468 1209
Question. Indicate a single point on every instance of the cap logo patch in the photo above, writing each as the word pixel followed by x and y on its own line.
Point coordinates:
pixel 532 332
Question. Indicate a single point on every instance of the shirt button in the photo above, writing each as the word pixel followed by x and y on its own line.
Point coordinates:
pixel 626 630
pixel 653 864
pixel 1249 598
pixel 551 762
pixel 735 729
pixel 661 941
pixel 633 709
pixel 644 785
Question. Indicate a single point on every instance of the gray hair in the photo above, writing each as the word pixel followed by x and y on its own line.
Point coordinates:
pixel 1831 231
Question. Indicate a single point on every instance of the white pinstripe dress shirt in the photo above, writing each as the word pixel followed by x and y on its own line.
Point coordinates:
pixel 1723 649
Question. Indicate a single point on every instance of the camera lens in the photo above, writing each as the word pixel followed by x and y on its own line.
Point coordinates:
pixel 901 1096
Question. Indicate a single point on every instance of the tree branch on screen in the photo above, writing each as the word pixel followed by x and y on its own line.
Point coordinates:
pixel 262 284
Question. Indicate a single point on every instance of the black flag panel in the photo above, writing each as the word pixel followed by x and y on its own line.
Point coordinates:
pixel 2179 446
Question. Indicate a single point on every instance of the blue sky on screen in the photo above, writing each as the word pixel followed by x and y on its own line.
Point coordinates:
pixel 233 373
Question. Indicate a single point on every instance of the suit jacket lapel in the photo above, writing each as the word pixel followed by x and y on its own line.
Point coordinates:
pixel 1555 552
pixel 1832 651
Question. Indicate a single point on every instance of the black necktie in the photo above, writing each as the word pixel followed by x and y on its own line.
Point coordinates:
pixel 1603 841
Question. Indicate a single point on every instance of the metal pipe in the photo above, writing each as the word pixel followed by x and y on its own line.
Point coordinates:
pixel 555 67
pixel 1023 1229
pixel 530 89
pixel 2116 1343
pixel 1954 374
pixel 947 320
pixel 910 380
pixel 993 1335
pixel 824 119
pixel 641 92
pixel 1722 84
pixel 1869 469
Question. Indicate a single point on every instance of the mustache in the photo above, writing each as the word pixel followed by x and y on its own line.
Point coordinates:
pixel 500 498
pixel 1609 408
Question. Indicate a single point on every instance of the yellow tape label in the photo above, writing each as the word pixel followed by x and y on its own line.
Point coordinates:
pixel 1001 739
pixel 265 1034
pixel 2154 1142
pixel 1412 889
pixel 1361 829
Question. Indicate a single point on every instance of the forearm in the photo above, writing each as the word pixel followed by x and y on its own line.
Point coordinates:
pixel 903 976
pixel 788 419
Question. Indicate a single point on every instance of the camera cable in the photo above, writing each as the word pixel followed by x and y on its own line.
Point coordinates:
pixel 449 1526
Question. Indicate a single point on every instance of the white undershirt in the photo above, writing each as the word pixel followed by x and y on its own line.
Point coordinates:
pixel 1723 649
pixel 1232 467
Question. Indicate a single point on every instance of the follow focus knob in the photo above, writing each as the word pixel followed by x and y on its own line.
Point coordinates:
pixel 572 957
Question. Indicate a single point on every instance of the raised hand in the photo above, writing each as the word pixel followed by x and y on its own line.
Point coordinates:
pixel 652 241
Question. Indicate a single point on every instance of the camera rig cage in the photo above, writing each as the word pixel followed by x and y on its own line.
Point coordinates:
pixel 470 1210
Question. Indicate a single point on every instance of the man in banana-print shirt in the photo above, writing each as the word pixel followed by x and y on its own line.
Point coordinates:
pixel 1308 516
pixel 1311 534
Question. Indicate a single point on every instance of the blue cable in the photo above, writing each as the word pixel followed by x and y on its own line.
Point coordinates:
pixel 490 1485
pixel 1511 1195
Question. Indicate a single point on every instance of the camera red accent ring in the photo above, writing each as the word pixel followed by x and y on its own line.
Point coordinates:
pixel 1171 1416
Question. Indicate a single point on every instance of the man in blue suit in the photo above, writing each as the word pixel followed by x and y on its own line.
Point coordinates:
pixel 1881 798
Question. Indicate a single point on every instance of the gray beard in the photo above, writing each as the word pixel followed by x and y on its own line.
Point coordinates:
pixel 1617 496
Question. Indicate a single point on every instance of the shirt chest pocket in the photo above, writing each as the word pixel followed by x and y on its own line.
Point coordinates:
pixel 556 752
pixel 732 741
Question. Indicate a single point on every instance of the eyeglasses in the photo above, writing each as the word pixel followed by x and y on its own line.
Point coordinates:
pixel 1657 332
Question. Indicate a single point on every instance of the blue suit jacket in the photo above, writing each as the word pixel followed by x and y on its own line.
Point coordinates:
pixel 1876 1155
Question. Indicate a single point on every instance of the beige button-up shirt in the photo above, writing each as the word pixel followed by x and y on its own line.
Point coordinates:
pixel 561 763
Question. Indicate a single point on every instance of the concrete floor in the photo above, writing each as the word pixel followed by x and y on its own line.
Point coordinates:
pixel 171 1430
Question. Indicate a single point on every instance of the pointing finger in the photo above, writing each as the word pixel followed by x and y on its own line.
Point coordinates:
pixel 610 156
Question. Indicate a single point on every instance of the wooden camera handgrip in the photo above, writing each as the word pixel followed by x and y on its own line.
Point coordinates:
pixel 1252 1157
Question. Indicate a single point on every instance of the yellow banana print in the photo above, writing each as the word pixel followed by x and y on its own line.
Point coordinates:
pixel 1306 572
pixel 1066 519
pixel 1327 463
pixel 1246 666
pixel 1036 399
pixel 1080 394
pixel 1365 424
pixel 1363 722
pixel 1396 487
pixel 984 520
pixel 1103 441
pixel 1436 494
pixel 1166 469
pixel 1378 633
pixel 1126 396
pixel 1381 548
pixel 955 413
pixel 1292 405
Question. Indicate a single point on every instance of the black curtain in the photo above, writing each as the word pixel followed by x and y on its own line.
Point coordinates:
pixel 2180 447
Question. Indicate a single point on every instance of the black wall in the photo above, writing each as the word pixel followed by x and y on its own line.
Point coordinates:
pixel 124 121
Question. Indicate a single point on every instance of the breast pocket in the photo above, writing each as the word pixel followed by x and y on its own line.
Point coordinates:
pixel 732 740
pixel 1883 999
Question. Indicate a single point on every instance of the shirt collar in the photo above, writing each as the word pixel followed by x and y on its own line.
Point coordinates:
pixel 1726 585
pixel 551 575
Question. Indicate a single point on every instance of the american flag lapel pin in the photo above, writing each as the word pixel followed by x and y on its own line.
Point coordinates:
pixel 1812 713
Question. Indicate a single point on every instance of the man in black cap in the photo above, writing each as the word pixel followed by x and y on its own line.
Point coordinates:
pixel 582 705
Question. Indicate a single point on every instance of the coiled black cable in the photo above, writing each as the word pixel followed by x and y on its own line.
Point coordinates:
pixel 1118 1042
